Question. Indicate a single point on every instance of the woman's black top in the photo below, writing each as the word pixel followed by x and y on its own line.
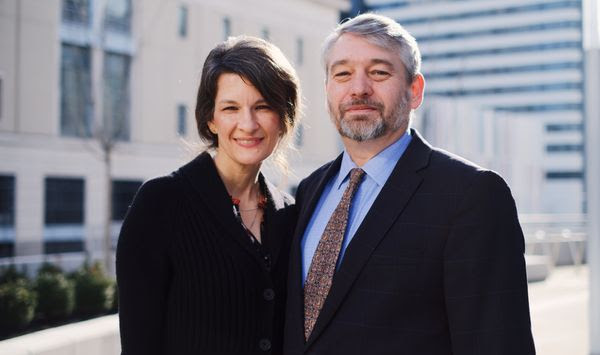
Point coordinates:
pixel 190 280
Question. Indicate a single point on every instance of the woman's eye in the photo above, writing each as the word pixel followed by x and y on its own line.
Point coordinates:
pixel 229 108
pixel 263 107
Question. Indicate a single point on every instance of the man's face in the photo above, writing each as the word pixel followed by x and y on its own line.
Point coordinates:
pixel 367 91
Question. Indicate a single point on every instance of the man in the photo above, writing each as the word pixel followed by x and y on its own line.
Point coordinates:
pixel 401 248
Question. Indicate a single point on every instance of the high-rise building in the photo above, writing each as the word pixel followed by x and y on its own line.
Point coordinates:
pixel 504 87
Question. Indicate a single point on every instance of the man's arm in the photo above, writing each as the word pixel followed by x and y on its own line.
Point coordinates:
pixel 485 282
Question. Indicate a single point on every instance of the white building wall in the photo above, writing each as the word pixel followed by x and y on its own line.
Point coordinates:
pixel 165 71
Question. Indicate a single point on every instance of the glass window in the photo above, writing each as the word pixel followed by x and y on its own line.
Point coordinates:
pixel 479 13
pixel 181 120
pixel 564 148
pixel 515 89
pixel 118 15
pixel 7 201
pixel 562 127
pixel 63 215
pixel 226 27
pixel 116 95
pixel 183 19
pixel 123 192
pixel 75 93
pixel 553 175
pixel 7 215
pixel 63 200
pixel 502 30
pixel 76 11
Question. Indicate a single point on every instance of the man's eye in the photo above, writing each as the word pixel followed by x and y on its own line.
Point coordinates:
pixel 379 73
pixel 341 74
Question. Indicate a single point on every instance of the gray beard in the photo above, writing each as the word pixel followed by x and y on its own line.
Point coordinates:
pixel 361 128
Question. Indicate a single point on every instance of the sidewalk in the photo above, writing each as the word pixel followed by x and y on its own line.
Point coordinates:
pixel 559 312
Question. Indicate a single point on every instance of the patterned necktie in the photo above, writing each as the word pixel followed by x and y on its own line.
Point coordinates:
pixel 322 267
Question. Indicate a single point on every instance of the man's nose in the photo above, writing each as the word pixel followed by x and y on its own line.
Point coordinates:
pixel 361 85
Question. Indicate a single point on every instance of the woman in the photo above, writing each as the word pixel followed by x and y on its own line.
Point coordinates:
pixel 202 254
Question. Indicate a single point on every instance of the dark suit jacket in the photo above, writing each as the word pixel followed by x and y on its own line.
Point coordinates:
pixel 435 268
pixel 190 281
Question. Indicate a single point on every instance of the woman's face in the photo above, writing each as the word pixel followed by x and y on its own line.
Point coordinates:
pixel 247 128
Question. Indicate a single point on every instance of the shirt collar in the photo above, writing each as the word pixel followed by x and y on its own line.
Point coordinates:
pixel 378 168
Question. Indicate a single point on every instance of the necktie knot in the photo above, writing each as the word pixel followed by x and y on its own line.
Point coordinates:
pixel 356 175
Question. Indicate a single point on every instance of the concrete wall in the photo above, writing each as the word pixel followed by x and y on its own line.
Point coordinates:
pixel 98 336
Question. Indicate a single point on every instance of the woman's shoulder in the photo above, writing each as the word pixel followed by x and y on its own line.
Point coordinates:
pixel 158 188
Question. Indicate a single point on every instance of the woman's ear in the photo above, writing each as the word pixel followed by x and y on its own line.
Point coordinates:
pixel 212 128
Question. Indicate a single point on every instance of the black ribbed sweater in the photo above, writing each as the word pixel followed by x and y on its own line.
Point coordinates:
pixel 190 281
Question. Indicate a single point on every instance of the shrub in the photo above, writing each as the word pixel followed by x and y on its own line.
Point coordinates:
pixel 92 290
pixel 56 296
pixel 17 304
pixel 114 307
pixel 11 274
pixel 48 268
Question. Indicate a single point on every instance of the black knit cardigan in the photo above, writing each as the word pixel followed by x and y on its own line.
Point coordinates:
pixel 190 280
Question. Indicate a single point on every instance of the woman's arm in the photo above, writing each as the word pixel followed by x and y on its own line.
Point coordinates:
pixel 143 269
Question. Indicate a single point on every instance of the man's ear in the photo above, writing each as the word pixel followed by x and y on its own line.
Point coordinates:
pixel 417 87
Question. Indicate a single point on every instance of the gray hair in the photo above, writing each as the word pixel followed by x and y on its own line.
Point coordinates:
pixel 383 32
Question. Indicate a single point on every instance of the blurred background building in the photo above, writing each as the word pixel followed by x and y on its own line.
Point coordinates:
pixel 505 83
pixel 97 96
pixel 514 86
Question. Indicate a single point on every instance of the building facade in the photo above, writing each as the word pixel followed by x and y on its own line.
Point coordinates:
pixel 505 88
pixel 97 96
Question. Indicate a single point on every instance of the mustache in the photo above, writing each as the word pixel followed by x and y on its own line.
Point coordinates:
pixel 362 102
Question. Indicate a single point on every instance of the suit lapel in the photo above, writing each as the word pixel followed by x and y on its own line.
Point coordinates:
pixel 313 196
pixel 306 204
pixel 389 204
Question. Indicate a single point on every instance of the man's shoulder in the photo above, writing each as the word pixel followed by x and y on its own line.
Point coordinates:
pixel 318 173
pixel 455 170
pixel 311 182
pixel 450 162
pixel 161 188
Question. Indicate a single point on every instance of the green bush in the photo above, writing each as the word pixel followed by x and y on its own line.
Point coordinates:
pixel 93 290
pixel 11 274
pixel 114 307
pixel 17 304
pixel 56 296
pixel 48 268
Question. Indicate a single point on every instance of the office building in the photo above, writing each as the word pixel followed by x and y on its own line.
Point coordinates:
pixel 505 88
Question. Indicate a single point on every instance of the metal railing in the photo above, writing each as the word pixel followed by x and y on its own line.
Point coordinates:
pixel 555 235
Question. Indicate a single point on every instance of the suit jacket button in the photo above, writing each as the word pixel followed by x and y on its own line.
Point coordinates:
pixel 264 344
pixel 269 294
